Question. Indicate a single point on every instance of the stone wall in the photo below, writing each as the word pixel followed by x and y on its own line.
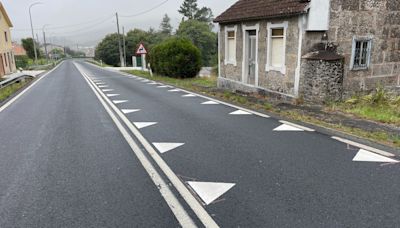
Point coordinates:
pixel 321 78
pixel 379 19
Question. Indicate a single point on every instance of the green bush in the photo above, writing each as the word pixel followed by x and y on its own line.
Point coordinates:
pixel 176 58
pixel 21 61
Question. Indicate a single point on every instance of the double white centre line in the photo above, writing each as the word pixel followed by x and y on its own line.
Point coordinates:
pixel 180 213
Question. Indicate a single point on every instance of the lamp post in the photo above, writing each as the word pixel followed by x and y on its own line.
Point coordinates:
pixel 33 34
pixel 45 43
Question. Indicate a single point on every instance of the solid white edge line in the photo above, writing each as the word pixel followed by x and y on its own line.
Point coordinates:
pixel 365 147
pixel 2 108
pixel 296 125
pixel 199 95
pixel 185 193
pixel 181 215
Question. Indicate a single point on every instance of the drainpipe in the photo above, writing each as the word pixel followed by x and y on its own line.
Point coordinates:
pixel 298 68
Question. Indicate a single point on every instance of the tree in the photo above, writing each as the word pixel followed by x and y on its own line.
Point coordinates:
pixel 108 50
pixel 202 37
pixel 165 26
pixel 190 10
pixel 28 46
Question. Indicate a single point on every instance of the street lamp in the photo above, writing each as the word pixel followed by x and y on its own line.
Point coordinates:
pixel 33 34
pixel 45 43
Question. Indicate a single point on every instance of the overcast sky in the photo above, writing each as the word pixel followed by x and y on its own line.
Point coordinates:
pixel 89 20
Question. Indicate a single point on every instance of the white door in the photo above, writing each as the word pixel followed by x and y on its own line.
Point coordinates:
pixel 251 57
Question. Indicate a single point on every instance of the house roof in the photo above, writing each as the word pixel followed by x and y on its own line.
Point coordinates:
pixel 245 10
pixel 5 15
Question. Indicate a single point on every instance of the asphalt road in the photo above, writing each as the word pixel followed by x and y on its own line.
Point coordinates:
pixel 65 163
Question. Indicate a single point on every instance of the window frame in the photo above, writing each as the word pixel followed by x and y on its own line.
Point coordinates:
pixel 227 60
pixel 356 39
pixel 270 27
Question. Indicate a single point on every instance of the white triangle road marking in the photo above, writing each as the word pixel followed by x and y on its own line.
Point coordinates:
pixel 210 191
pixel 240 112
pixel 210 103
pixel 120 101
pixel 152 83
pixel 112 95
pixel 367 156
pixel 189 95
pixel 127 111
pixel 285 127
pixel 163 86
pixel 141 125
pixel 100 83
pixel 165 147
pixel 174 90
pixel 103 86
pixel 107 90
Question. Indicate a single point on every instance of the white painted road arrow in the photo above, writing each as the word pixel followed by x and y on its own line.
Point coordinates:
pixel 120 101
pixel 127 111
pixel 285 127
pixel 367 156
pixel 210 191
pixel 210 103
pixel 141 125
pixel 240 112
pixel 165 147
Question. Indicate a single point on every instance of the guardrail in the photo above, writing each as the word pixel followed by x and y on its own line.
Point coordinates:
pixel 14 79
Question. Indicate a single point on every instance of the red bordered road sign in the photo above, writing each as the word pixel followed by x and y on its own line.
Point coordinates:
pixel 141 50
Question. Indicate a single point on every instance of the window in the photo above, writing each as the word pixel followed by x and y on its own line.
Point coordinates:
pixel 276 47
pixel 230 48
pixel 5 36
pixel 361 53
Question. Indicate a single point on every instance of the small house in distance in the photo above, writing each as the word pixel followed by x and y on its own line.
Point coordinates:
pixel 316 49
pixel 7 62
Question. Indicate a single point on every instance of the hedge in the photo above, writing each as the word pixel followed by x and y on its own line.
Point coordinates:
pixel 176 58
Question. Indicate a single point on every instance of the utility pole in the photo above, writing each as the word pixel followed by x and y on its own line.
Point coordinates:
pixel 121 58
pixel 123 40
pixel 45 44
pixel 33 34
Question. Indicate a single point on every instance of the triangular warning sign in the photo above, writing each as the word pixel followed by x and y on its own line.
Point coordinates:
pixel 366 156
pixel 141 50
pixel 210 191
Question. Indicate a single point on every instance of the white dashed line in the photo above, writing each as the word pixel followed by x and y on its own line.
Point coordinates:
pixel 112 95
pixel 103 86
pixel 361 146
pixel 189 95
pixel 107 90
pixel 174 90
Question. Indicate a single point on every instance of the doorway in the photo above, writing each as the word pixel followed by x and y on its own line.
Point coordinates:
pixel 2 70
pixel 250 60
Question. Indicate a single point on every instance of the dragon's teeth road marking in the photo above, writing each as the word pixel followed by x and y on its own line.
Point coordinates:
pixel 103 86
pixel 367 156
pixel 210 191
pixel 112 95
pixel 107 90
pixel 141 125
pixel 285 127
pixel 165 147
pixel 163 86
pixel 152 83
pixel 100 83
pixel 240 112
pixel 174 90
pixel 189 95
pixel 120 101
pixel 127 111
pixel 210 103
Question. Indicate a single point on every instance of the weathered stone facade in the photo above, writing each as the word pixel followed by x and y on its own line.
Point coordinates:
pixel 379 20
pixel 272 81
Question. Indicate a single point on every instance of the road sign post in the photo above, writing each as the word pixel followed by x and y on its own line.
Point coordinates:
pixel 142 52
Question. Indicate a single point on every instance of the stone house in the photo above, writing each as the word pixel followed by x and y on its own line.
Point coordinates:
pixel 7 62
pixel 316 49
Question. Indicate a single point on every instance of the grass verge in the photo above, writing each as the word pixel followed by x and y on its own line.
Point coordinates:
pixel 208 86
pixel 8 91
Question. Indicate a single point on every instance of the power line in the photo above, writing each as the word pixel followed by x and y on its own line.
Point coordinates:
pixel 146 11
